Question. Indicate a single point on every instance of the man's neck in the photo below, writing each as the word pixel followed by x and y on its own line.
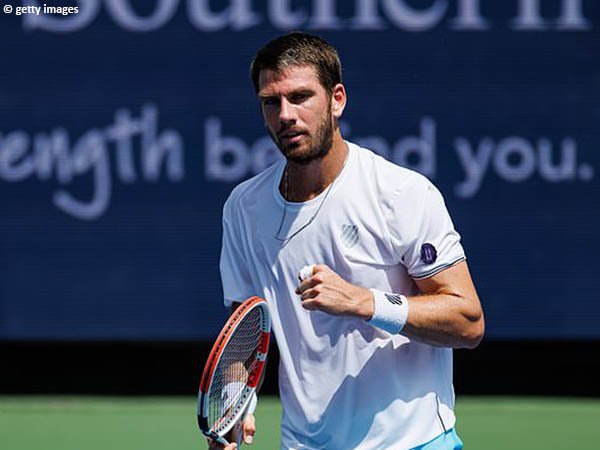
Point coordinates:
pixel 306 181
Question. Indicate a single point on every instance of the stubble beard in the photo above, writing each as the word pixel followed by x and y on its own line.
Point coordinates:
pixel 319 146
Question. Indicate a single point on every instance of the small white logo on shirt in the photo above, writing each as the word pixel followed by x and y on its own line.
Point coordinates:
pixel 349 235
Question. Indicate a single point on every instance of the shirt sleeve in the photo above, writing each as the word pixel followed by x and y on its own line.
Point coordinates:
pixel 237 285
pixel 429 242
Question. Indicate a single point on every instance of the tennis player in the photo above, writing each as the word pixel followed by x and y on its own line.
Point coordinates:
pixel 364 273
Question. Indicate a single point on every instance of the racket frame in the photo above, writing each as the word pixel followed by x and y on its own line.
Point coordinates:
pixel 239 407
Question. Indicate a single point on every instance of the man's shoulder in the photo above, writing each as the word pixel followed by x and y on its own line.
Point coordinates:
pixel 390 175
pixel 253 188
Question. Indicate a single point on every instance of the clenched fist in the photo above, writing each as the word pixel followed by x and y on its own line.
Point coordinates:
pixel 326 291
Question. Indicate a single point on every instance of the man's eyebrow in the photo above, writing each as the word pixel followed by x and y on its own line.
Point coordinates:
pixel 301 91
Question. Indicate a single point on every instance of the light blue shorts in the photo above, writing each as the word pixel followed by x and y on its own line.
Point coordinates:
pixel 445 441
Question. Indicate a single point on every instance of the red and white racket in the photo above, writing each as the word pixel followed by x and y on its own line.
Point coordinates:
pixel 233 369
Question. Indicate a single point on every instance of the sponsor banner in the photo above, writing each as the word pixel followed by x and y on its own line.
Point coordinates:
pixel 124 126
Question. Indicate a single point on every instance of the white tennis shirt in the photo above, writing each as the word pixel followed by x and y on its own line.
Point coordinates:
pixel 345 384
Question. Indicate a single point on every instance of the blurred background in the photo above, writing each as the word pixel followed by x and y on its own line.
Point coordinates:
pixel 125 124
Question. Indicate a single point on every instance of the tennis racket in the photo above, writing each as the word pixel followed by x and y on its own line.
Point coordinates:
pixel 233 369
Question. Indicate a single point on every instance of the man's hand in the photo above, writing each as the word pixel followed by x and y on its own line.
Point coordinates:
pixel 248 429
pixel 326 291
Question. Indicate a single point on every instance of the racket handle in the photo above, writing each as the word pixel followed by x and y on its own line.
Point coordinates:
pixel 238 432
pixel 238 428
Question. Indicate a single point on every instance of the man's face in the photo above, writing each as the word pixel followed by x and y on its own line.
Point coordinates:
pixel 297 112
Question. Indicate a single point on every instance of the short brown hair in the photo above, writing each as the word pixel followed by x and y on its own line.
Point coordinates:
pixel 299 49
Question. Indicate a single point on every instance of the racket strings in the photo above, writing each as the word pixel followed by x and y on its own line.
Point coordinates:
pixel 234 367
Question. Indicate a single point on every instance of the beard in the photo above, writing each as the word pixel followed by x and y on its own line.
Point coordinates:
pixel 318 144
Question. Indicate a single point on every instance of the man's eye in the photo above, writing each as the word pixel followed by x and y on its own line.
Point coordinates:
pixel 298 98
pixel 270 102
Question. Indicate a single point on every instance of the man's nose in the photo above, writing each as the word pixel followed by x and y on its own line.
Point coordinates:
pixel 287 112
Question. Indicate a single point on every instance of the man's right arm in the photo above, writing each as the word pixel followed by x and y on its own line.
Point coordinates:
pixel 237 283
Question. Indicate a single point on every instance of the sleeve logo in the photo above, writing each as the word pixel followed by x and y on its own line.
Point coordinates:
pixel 428 253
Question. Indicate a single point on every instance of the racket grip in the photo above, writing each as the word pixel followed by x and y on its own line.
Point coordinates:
pixel 238 432
pixel 238 428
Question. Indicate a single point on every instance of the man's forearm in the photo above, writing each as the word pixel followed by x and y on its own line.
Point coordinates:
pixel 447 314
pixel 444 320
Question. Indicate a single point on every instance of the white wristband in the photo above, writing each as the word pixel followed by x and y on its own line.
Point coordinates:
pixel 230 394
pixel 390 311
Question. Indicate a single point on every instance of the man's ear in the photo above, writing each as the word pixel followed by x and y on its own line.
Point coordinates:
pixel 338 100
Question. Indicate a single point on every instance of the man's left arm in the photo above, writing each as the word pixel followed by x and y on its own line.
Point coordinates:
pixel 447 312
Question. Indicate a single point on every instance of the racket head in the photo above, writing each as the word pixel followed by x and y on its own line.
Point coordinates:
pixel 233 368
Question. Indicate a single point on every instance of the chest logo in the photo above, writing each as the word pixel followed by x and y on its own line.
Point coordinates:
pixel 349 235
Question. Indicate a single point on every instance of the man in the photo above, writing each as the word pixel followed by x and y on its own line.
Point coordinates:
pixel 366 336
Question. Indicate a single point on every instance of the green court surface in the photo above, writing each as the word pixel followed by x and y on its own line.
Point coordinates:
pixel 82 423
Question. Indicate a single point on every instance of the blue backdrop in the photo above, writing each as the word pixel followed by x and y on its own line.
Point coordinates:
pixel 124 125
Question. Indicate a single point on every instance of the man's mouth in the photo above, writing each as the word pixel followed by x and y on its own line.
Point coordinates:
pixel 291 136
